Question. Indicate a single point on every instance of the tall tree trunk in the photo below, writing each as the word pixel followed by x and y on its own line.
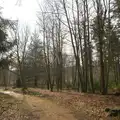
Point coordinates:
pixel 100 38
pixel 81 48
pixel 90 52
pixel 85 48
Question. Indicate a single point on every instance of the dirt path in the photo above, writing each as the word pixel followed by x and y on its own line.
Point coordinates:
pixel 48 109
pixel 43 108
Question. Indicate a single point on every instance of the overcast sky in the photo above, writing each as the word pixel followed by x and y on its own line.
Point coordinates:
pixel 24 12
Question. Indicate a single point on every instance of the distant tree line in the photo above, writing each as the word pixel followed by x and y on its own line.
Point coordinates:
pixel 90 28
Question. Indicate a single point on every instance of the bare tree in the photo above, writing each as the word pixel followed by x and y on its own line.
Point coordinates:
pixel 21 46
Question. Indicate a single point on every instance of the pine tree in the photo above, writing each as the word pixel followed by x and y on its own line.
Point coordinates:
pixel 5 44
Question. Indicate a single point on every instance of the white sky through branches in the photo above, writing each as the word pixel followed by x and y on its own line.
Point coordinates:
pixel 24 12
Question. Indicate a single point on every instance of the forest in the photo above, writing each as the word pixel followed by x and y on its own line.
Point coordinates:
pixel 72 52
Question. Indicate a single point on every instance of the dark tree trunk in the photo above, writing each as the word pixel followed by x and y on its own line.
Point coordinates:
pixel 36 81
pixel 90 52
pixel 100 32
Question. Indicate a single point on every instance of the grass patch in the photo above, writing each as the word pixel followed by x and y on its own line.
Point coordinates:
pixel 30 92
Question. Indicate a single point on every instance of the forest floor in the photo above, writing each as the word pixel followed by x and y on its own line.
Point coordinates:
pixel 67 105
pixel 14 109
pixel 84 106
pixel 38 108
